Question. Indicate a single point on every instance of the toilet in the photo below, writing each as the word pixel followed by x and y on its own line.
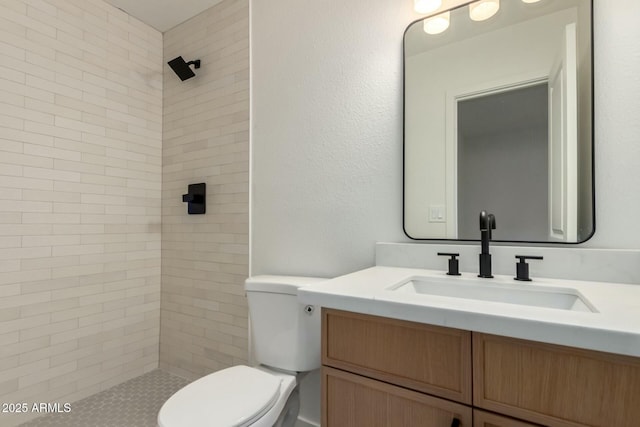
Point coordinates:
pixel 286 344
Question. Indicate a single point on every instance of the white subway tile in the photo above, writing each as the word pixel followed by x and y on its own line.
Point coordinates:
pixel 52 174
pixel 77 125
pixel 11 27
pixel 51 372
pixel 7 50
pixel 76 313
pixel 24 253
pixel 50 308
pixel 77 250
pixel 55 130
pixel 50 152
pixel 23 370
pixel 18 348
pixel 27 206
pixel 48 262
pixel 9 338
pixel 47 352
pixel 14 75
pixel 73 187
pixel 80 146
pixel 55 88
pixel 77 208
pixel 73 355
pixel 77 270
pixel 11 122
pixel 24 323
pixel 10 170
pixel 80 159
pixel 50 330
pixel 50 218
pixel 50 196
pixel 82 229
pixel 10 242
pixel 52 109
pixel 11 99
pixel 75 292
pixel 75 333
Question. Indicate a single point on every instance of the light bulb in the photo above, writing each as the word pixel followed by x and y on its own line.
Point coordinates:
pixel 437 24
pixel 483 9
pixel 426 6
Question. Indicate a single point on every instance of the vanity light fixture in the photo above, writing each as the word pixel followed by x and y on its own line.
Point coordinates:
pixel 530 1
pixel 437 24
pixel 426 6
pixel 483 9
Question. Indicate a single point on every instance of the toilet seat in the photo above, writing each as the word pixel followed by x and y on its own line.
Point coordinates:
pixel 234 397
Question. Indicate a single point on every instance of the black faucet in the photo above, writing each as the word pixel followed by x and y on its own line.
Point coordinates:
pixel 487 223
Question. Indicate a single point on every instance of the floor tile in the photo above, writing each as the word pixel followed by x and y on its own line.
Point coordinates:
pixel 134 403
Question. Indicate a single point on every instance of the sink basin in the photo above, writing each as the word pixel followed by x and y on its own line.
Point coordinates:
pixel 470 289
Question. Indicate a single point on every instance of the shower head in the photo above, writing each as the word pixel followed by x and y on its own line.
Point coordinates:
pixel 182 69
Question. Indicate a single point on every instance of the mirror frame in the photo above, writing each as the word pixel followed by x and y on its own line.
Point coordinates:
pixel 593 170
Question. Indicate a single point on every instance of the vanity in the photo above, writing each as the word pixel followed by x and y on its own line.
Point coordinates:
pixel 400 350
pixel 498 116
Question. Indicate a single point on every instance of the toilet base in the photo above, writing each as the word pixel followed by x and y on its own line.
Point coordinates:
pixel 289 414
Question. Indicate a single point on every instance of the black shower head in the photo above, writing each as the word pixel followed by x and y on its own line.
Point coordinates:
pixel 182 69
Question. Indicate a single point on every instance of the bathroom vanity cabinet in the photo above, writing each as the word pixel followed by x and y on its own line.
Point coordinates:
pixel 355 401
pixel 422 371
pixel 386 372
pixel 488 419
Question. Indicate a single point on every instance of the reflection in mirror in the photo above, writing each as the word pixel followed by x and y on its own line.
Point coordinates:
pixel 498 117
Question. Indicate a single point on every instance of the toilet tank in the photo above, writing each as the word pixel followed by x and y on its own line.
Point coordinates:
pixel 285 333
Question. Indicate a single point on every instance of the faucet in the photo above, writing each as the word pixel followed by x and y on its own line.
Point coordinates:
pixel 487 223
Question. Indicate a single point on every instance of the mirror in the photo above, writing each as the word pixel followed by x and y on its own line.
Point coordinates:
pixel 499 117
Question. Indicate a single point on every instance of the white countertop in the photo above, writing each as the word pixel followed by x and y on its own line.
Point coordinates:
pixel 614 328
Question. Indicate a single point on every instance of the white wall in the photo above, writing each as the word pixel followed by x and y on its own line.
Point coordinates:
pixel 617 127
pixel 80 155
pixel 327 131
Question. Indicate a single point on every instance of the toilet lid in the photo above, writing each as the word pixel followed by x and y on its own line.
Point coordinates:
pixel 233 397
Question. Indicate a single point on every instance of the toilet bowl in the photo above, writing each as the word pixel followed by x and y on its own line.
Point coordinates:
pixel 286 339
pixel 235 397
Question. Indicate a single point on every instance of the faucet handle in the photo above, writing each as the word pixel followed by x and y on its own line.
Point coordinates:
pixel 522 268
pixel 453 263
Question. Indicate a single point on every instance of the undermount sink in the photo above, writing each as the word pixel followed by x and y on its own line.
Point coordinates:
pixel 479 289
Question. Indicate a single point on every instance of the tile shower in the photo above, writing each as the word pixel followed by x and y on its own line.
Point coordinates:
pixel 97 143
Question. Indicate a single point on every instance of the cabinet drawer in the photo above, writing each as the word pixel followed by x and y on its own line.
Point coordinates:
pixel 425 358
pixel 553 385
pixel 487 419
pixel 350 400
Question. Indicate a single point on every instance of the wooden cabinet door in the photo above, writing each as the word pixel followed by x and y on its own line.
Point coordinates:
pixel 350 400
pixel 429 359
pixel 487 419
pixel 553 385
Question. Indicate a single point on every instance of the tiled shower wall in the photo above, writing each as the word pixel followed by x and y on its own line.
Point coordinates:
pixel 206 139
pixel 80 166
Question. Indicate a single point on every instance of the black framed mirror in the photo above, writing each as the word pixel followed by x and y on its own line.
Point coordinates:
pixel 498 116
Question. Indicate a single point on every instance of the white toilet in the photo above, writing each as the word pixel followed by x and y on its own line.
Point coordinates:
pixel 286 343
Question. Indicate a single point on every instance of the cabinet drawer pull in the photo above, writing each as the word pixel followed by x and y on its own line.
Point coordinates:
pixel 455 423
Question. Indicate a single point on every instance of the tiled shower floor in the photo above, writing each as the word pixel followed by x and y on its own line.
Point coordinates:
pixel 134 403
